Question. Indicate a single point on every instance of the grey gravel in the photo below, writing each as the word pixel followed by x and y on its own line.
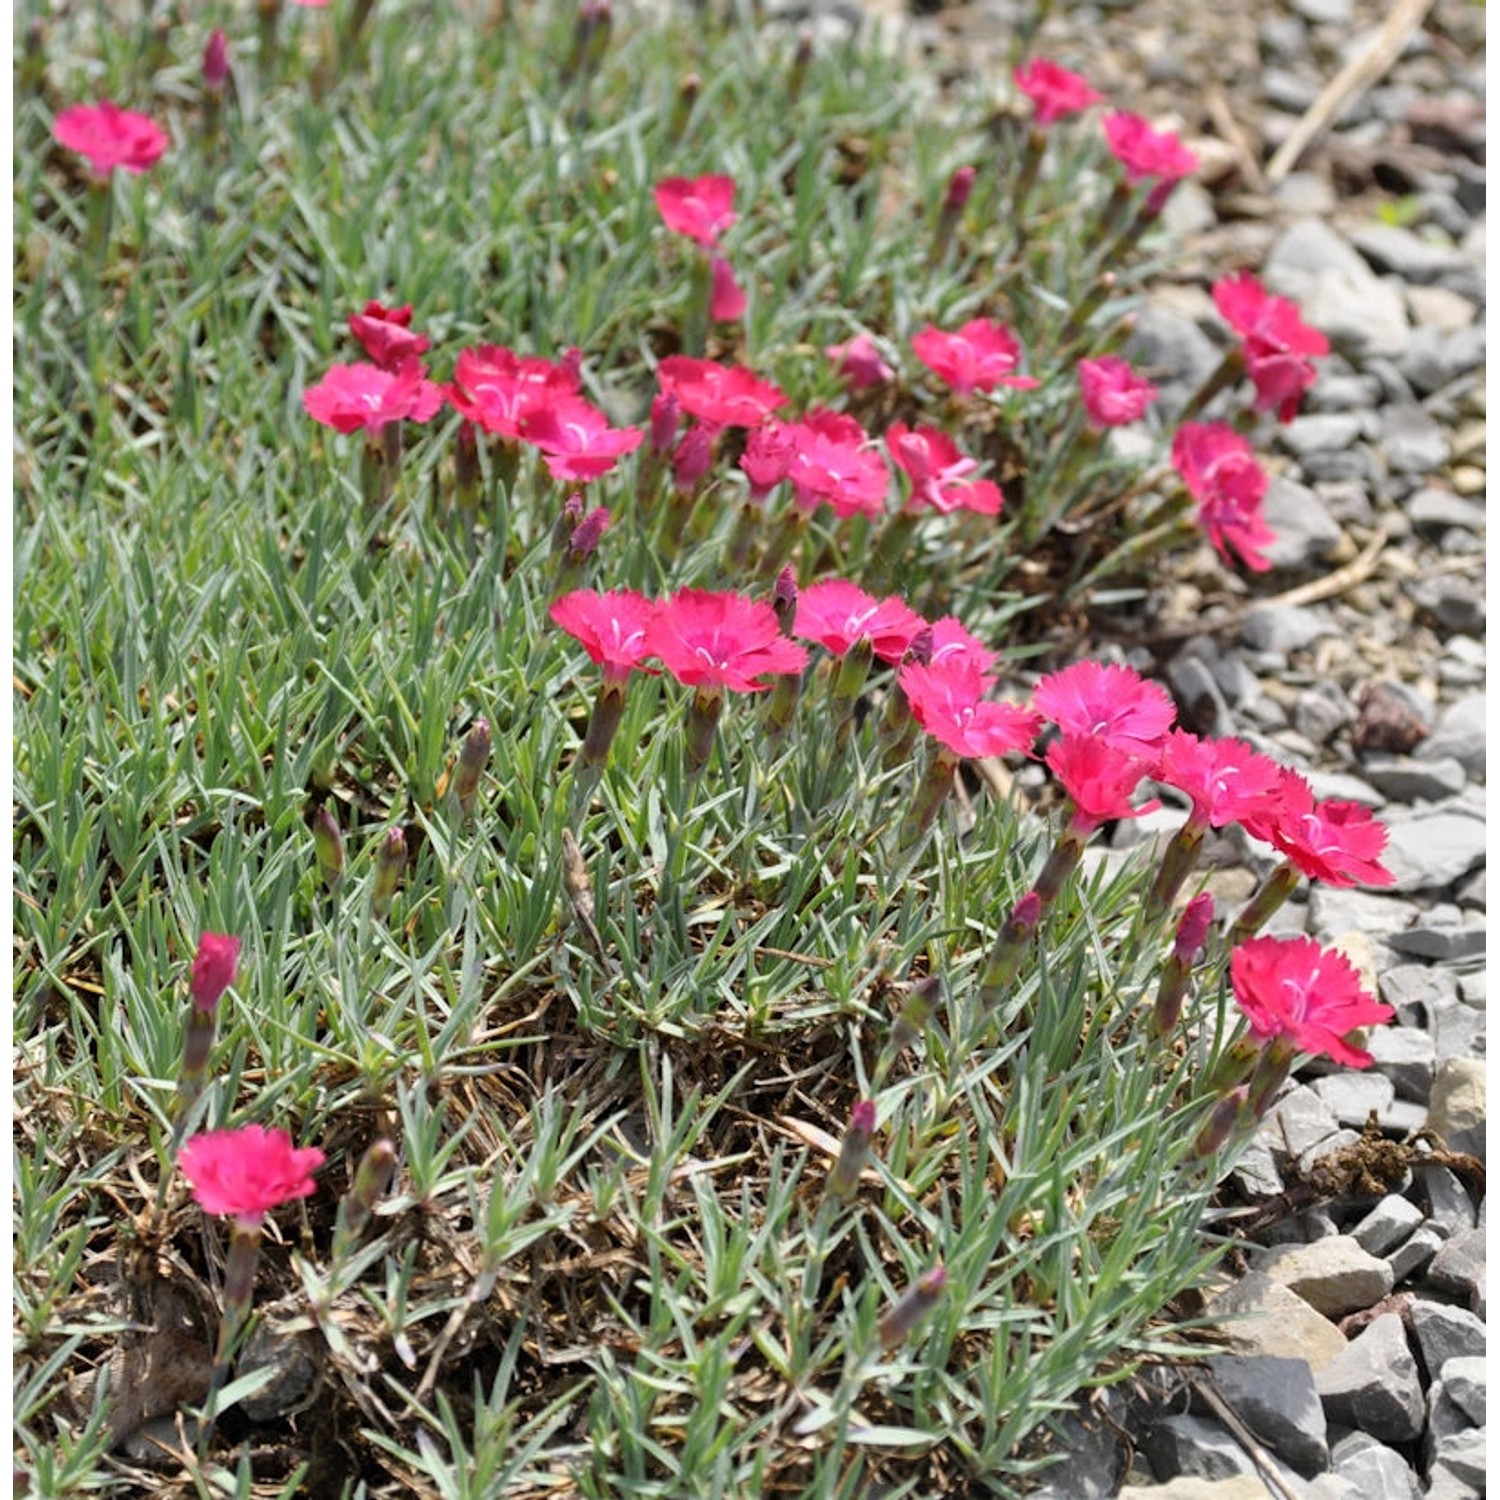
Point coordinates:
pixel 1434 847
pixel 1376 1471
pixel 1391 1221
pixel 1459 1267
pixel 1415 1254
pixel 1333 1276
pixel 1404 778
pixel 1443 1332
pixel 1373 1385
pixel 1450 1210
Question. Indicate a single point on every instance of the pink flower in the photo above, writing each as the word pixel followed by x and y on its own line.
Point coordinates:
pixel 215 61
pixel 1219 469
pixel 727 297
pixel 960 189
pixel 980 356
pixel 834 461
pixel 1277 343
pixel 719 395
pixel 939 473
pixel 499 389
pixel 859 362
pixel 1192 927
pixel 1113 393
pixel 610 626
pixel 213 969
pixel 350 397
pixel 693 459
pixel 836 613
pixel 1145 152
pixel 386 336
pixel 1309 997
pixel 948 702
pixel 110 137
pixel 249 1171
pixel 702 208
pixel 767 458
pixel 714 640
pixel 1113 705
pixel 576 439
pixel 952 643
pixel 1099 777
pixel 1335 841
pixel 1054 91
pixel 1226 780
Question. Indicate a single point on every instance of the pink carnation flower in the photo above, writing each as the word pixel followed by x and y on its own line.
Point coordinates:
pixel 1219 469
pixel 499 389
pixel 980 356
pixel 952 643
pixel 213 969
pixel 1147 153
pixel 576 439
pixel 350 397
pixel 726 301
pixel 1278 345
pixel 1114 705
pixel 859 362
pixel 110 137
pixel 835 462
pixel 385 334
pixel 1306 996
pixel 836 614
pixel 1053 91
pixel 1099 778
pixel 610 626
pixel 948 702
pixel 247 1172
pixel 1113 393
pixel 702 208
pixel 718 395
pixel 1226 780
pixel 709 639
pixel 1335 841
pixel 939 472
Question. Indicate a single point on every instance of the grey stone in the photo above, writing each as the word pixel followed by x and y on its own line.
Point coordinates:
pixel 1351 392
pixel 1434 510
pixel 1093 1458
pixel 1437 307
pixel 1412 441
pixel 1325 12
pixel 1410 256
pixel 1456 604
pixel 1334 1276
pixel 1277 1400
pixel 1435 357
pixel 1471 985
pixel 1260 1316
pixel 1306 250
pixel 1417 991
pixel 1173 347
pixel 1445 934
pixel 1403 1119
pixel 1321 711
pixel 1296 1123
pixel 1351 1097
pixel 1404 778
pixel 1362 315
pixel 1405 1055
pixel 1202 702
pixel 1452 1442
pixel 1335 909
pixel 1358 465
pixel 1302 195
pixel 1191 1487
pixel 1319 432
pixel 1342 785
pixel 1459 733
pixel 1414 1255
pixel 1443 1485
pixel 1285 627
pixel 1459 1266
pixel 1457 1105
pixel 1450 1210
pixel 1387 1224
pixel 1464 1377
pixel 1458 1030
pixel 1375 1471
pixel 1193 1445
pixel 1373 1385
pixel 1444 1332
pixel 1305 532
pixel 1434 847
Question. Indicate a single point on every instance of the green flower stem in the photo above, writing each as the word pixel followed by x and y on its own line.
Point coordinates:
pixel 927 799
pixel 1176 865
pixel 702 721
pixel 1270 1073
pixel 239 1292
pixel 1274 890
pixel 1229 370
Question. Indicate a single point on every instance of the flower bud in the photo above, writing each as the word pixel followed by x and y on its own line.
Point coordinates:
pixel 587 534
pixel 902 1317
pixel 1227 1115
pixel 213 970
pixel 912 1021
pixel 328 844
pixel 854 1151
pixel 1192 927
pixel 472 755
pixel 666 415
pixel 784 599
pixel 960 185
pixel 568 522
pixel 390 860
pixel 216 61
pixel 692 459
pixel 372 1179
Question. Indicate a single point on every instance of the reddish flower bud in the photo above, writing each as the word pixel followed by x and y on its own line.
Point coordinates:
pixel 854 1151
pixel 213 969
pixel 666 414
pixel 960 186
pixel 784 599
pixel 692 460
pixel 901 1318
pixel 586 536
pixel 216 61
pixel 474 752
pixel 1192 927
